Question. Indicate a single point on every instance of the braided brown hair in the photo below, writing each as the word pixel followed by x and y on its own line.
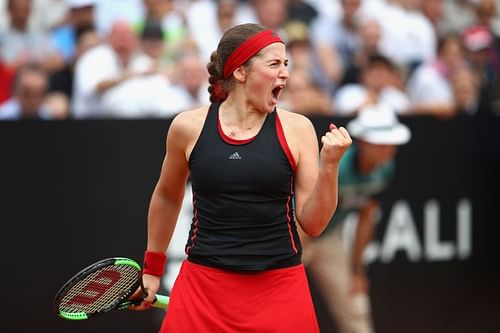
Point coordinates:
pixel 229 42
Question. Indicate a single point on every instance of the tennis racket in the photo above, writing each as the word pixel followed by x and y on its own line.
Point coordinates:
pixel 101 287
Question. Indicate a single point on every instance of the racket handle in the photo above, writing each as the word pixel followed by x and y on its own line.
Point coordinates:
pixel 161 302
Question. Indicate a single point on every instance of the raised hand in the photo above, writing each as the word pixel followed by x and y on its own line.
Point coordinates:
pixel 335 143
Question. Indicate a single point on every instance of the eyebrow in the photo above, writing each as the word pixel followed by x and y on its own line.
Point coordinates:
pixel 275 59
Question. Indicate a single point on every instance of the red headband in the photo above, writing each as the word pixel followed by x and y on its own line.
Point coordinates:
pixel 248 49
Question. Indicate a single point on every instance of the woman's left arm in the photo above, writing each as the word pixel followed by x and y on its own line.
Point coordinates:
pixel 316 184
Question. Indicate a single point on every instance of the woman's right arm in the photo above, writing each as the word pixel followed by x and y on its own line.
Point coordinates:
pixel 168 194
pixel 166 200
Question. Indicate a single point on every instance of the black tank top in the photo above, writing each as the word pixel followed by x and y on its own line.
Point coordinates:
pixel 243 215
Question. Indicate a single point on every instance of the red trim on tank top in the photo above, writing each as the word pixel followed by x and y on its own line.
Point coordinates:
pixel 289 218
pixel 195 229
pixel 283 143
pixel 230 140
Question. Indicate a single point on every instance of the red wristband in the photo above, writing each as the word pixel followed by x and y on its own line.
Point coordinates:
pixel 154 263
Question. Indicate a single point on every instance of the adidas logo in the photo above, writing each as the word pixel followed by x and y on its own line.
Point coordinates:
pixel 234 156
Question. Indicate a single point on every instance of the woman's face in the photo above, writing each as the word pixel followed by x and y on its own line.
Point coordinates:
pixel 267 76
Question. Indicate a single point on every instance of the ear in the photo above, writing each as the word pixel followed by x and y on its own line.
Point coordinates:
pixel 240 74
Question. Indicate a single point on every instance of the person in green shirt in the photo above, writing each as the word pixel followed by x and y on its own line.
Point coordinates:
pixel 365 171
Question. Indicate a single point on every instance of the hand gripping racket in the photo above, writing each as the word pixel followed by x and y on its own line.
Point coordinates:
pixel 101 287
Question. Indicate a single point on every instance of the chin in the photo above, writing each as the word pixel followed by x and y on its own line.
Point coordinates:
pixel 271 108
pixel 273 104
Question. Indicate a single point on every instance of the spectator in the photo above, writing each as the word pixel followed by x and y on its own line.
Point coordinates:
pixel 429 86
pixel 369 31
pixel 102 70
pixel 46 14
pixel 190 78
pixel 172 22
pixel 61 82
pixel 149 94
pixel 218 17
pixel 174 86
pixel 6 76
pixel 80 17
pixel 376 87
pixel 49 14
pixel 465 85
pixel 300 10
pixel 152 44
pixel 365 172
pixel 299 46
pixel 226 15
pixel 331 9
pixel 341 35
pixel 301 94
pixel 488 15
pixel 22 45
pixel 272 14
pixel 433 10
pixel 408 37
pixel 336 42
pixel 478 44
pixel 458 15
pixel 29 95
pixel 107 12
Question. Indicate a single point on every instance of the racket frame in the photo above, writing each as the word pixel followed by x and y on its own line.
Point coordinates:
pixel 120 303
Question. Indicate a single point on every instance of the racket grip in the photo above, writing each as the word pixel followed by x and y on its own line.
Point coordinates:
pixel 161 302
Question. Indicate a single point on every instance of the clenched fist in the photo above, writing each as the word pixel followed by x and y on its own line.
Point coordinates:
pixel 335 143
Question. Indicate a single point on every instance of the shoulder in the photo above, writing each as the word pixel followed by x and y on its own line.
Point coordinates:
pixel 294 121
pixel 299 132
pixel 191 117
pixel 9 110
pixel 187 125
pixel 321 28
pixel 98 54
pixel 99 50
pixel 292 117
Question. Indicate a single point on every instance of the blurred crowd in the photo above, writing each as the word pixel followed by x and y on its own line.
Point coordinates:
pixel 147 58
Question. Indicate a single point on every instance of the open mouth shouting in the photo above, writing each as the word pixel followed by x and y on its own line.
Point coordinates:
pixel 276 92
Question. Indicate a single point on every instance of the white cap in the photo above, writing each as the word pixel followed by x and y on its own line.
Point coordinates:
pixel 378 124
pixel 75 4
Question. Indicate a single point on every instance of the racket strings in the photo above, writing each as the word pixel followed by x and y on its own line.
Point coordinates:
pixel 99 290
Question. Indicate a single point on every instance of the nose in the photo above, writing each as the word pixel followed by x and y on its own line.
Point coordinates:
pixel 283 73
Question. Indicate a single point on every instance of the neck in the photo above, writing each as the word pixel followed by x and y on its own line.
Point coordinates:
pixel 240 108
pixel 124 58
pixel 20 25
pixel 239 120
pixel 162 11
pixel 236 115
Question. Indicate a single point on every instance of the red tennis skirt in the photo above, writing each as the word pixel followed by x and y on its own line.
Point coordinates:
pixel 206 299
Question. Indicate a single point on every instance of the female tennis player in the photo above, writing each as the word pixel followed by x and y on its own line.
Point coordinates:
pixel 255 174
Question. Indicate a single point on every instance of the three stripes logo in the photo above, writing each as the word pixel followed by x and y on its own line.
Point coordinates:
pixel 234 156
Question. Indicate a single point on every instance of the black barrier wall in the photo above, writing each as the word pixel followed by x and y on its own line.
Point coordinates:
pixel 75 192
